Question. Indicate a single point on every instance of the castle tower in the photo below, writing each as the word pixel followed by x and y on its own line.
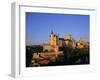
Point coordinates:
pixel 53 39
pixel 67 39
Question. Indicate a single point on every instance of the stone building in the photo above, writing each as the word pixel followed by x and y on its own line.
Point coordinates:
pixel 54 39
pixel 67 41
pixel 54 43
pixel 48 48
pixel 82 44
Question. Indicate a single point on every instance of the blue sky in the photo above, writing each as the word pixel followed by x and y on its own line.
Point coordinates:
pixel 39 26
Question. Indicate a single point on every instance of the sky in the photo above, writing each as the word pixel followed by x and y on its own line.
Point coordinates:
pixel 39 26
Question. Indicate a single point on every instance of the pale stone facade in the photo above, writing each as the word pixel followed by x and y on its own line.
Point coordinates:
pixel 82 44
pixel 54 44
pixel 68 41
pixel 48 48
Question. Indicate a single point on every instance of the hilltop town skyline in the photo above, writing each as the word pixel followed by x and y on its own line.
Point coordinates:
pixel 48 42
pixel 39 26
pixel 57 52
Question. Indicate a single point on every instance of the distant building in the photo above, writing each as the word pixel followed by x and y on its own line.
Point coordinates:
pixel 82 44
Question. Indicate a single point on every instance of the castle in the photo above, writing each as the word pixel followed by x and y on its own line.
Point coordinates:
pixel 51 51
pixel 68 41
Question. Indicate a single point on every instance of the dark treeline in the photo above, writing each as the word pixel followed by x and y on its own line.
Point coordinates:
pixel 76 56
pixel 71 56
pixel 29 51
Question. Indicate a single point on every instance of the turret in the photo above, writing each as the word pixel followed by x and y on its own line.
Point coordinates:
pixel 52 32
